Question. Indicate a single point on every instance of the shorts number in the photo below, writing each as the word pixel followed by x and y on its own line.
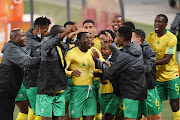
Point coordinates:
pixel 157 102
pixel 121 106
pixel 176 87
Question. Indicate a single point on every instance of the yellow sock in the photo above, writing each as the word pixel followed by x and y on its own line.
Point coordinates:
pixel 98 116
pixel 21 116
pixel 176 115
pixel 31 116
pixel 81 118
pixel 38 118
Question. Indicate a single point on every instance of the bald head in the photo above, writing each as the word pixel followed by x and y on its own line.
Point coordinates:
pixel 14 33
pixel 17 35
pixel 56 29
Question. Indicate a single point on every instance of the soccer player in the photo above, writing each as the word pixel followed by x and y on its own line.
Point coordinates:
pixel 89 25
pixel 109 102
pixel 34 37
pixel 106 88
pixel 153 100
pixel 127 72
pixel 52 77
pixel 14 59
pixel 164 43
pixel 117 22
pixel 103 36
pixel 81 67
pixel 67 26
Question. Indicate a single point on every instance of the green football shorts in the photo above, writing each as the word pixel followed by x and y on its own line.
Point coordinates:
pixel 22 95
pixel 168 89
pixel 97 90
pixel 31 93
pixel 67 92
pixel 153 102
pixel 82 101
pixel 50 105
pixel 134 108
pixel 115 106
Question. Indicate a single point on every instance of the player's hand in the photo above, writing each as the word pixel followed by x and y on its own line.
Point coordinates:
pixel 76 73
pixel 94 54
pixel 109 38
pixel 73 28
pixel 106 63
pixel 96 73
pixel 104 82
pixel 81 30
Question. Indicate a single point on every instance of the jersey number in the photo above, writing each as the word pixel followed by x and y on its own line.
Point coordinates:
pixel 176 87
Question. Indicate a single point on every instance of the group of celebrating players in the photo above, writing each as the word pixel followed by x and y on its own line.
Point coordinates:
pixel 71 73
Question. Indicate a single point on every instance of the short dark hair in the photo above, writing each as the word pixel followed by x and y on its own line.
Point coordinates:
pixel 42 21
pixel 129 24
pixel 126 33
pixel 140 33
pixel 164 16
pixel 79 35
pixel 89 21
pixel 109 31
pixel 56 29
pixel 68 23
pixel 119 16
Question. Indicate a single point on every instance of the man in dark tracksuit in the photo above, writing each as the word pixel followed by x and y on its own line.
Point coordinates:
pixel 34 36
pixel 128 73
pixel 153 100
pixel 14 59
pixel 52 79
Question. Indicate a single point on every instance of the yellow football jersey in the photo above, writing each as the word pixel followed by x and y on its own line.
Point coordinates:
pixel 97 43
pixel 107 88
pixel 165 44
pixel 82 61
pixel 71 45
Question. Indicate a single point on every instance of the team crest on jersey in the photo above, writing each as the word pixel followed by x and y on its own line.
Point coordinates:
pixel 83 64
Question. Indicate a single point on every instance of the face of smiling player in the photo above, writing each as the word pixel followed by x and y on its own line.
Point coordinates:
pixel 160 25
pixel 116 23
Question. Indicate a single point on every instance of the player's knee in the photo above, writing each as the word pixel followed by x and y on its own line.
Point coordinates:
pixel 155 117
pixel 107 116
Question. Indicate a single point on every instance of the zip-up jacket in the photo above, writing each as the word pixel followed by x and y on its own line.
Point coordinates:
pixel 14 59
pixel 149 64
pixel 52 76
pixel 127 72
pixel 33 46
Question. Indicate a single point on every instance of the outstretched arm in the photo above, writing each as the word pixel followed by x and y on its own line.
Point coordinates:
pixel 21 59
